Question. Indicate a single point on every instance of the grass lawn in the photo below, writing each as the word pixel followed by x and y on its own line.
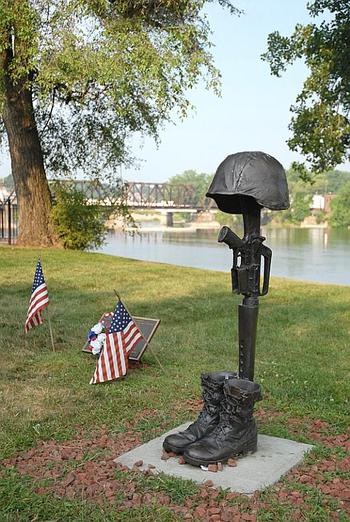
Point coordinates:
pixel 58 434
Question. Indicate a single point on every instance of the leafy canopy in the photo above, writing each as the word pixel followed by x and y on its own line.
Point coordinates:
pixel 8 182
pixel 199 181
pixel 101 70
pixel 320 124
pixel 301 193
pixel 341 207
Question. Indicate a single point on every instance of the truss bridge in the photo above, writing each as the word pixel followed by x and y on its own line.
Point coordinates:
pixel 141 195
pixel 161 195
pixel 164 197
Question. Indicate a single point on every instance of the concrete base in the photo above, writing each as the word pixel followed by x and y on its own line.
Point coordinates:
pixel 274 458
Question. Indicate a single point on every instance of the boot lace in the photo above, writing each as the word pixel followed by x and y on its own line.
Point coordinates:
pixel 227 417
pixel 210 400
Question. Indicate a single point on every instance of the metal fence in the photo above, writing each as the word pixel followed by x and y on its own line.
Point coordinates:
pixel 9 219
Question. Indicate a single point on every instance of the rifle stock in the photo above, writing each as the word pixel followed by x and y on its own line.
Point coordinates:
pixel 226 235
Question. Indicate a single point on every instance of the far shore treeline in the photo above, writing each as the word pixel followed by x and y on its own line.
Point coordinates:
pixel 333 185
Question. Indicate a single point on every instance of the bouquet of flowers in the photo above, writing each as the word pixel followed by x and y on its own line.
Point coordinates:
pixel 97 338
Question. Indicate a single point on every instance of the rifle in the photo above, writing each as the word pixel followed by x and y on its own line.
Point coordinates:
pixel 248 254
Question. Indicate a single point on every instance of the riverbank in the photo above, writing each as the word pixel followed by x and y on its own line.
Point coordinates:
pixel 182 227
pixel 206 221
pixel 213 225
pixel 59 434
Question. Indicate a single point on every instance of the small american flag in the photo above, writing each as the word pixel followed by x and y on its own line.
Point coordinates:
pixel 39 299
pixel 123 335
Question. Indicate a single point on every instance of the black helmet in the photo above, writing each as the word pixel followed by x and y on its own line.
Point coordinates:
pixel 254 174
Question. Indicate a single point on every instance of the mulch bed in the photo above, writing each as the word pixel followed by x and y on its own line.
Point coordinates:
pixel 83 469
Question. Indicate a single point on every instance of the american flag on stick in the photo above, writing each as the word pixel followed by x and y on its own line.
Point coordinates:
pixel 123 335
pixel 39 299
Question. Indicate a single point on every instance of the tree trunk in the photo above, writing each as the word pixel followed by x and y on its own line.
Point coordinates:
pixel 32 189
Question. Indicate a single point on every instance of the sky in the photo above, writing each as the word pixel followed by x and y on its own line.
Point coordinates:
pixel 253 111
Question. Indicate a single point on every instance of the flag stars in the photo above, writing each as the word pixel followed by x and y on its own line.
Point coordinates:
pixel 120 320
pixel 38 277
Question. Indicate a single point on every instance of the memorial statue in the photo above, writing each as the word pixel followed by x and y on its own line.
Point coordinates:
pixel 244 183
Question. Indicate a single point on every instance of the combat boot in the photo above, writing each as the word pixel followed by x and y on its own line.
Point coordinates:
pixel 236 432
pixel 213 396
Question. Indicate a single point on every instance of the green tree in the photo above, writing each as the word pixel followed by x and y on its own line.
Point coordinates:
pixel 321 119
pixel 8 182
pixel 79 76
pixel 300 199
pixel 341 207
pixel 334 180
pixel 199 181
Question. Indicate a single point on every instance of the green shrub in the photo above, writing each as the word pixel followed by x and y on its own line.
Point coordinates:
pixel 78 224
pixel 320 216
pixel 230 220
pixel 341 207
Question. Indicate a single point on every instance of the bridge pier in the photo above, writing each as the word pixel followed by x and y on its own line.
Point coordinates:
pixel 169 219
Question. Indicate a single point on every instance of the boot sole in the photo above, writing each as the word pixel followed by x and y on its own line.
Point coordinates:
pixel 248 448
pixel 179 450
pixel 168 448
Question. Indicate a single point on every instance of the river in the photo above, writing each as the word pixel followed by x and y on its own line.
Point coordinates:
pixel 310 254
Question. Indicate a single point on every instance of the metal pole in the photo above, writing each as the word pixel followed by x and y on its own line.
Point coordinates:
pixel 248 310
pixel 9 220
pixel 2 222
pixel 15 221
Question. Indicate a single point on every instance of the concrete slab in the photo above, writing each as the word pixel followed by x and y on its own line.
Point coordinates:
pixel 274 458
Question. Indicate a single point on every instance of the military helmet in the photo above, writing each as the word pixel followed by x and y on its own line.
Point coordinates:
pixel 254 174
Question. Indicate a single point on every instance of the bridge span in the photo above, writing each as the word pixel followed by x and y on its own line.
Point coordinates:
pixel 167 198
pixel 161 195
pixel 142 195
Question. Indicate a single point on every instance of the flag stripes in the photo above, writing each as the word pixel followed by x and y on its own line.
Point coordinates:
pixel 113 361
pixel 132 335
pixel 39 299
pixel 122 336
